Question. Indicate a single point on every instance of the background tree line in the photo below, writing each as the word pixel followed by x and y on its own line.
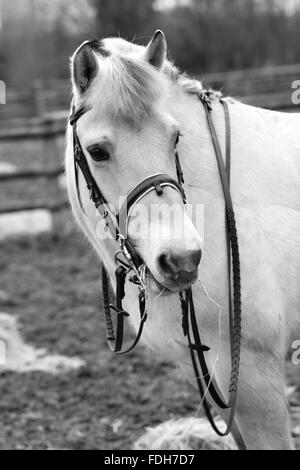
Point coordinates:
pixel 38 36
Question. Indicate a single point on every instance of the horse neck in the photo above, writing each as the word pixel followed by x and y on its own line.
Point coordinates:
pixel 259 139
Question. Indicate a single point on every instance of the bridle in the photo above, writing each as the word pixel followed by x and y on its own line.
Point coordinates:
pixel 129 263
pixel 126 258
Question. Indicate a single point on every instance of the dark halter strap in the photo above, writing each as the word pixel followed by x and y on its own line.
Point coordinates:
pixel 153 183
pixel 133 263
pixel 80 161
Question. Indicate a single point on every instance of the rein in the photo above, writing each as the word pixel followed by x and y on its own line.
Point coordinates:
pixel 128 262
pixel 196 347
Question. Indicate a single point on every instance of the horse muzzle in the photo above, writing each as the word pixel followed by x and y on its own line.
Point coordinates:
pixel 174 271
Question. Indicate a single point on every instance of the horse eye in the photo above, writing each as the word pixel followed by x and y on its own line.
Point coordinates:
pixel 98 154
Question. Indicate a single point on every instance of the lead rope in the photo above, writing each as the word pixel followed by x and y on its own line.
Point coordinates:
pixel 186 299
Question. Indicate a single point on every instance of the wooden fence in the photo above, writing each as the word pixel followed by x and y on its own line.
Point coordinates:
pixel 52 206
pixel 42 99
pixel 265 87
pixel 269 87
pixel 46 130
pixel 41 114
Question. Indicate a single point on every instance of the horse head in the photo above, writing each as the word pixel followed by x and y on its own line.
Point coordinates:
pixel 128 135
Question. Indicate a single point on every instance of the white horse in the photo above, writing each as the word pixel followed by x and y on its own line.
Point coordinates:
pixel 140 102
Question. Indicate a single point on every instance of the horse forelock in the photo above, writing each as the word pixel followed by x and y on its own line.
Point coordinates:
pixel 127 87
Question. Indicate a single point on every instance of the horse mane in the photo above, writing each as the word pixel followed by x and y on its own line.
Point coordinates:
pixel 188 84
pixel 127 87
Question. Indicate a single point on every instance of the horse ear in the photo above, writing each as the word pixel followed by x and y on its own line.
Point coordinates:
pixel 156 50
pixel 84 67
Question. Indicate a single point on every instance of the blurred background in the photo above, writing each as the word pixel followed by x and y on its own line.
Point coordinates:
pixel 204 36
pixel 60 387
pixel 246 47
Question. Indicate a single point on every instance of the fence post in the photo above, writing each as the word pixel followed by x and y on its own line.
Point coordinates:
pixel 52 159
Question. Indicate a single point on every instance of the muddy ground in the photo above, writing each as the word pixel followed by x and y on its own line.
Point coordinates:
pixel 53 287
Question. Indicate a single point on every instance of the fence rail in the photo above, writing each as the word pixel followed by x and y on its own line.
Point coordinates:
pixel 31 174
pixel 43 98
pixel 47 131
pixel 52 207
pixel 35 128
pixel 51 175
pixel 51 95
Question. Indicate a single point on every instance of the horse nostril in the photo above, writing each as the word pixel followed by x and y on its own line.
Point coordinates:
pixel 195 258
pixel 166 264
pixel 174 263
